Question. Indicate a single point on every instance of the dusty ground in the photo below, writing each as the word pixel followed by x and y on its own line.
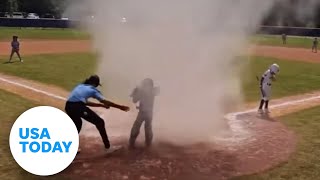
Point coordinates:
pixel 30 47
pixel 263 142
pixel 266 143
pixel 298 54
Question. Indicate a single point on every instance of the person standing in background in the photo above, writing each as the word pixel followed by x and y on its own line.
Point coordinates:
pixel 265 87
pixel 15 45
pixel 315 45
pixel 284 39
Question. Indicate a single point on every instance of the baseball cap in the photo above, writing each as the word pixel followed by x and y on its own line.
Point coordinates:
pixel 95 79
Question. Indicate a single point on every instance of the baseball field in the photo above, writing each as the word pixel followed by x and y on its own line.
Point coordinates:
pixel 282 146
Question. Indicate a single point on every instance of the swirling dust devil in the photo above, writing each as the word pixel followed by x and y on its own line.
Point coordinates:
pixel 44 146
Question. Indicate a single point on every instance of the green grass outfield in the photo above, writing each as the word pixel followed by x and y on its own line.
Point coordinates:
pixel 295 77
pixel 305 162
pixel 66 70
pixel 38 33
pixel 273 40
pixel 12 106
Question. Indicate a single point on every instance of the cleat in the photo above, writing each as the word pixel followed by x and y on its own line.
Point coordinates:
pixel 113 149
pixel 132 147
pixel 267 111
pixel 260 111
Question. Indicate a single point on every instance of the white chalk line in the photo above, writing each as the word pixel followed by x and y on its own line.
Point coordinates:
pixel 288 103
pixel 33 89
pixel 239 131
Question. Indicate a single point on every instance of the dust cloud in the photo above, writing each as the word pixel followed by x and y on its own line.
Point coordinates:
pixel 189 49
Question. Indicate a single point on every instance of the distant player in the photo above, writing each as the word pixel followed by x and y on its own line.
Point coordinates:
pixel 284 39
pixel 145 95
pixel 15 45
pixel 315 45
pixel 265 87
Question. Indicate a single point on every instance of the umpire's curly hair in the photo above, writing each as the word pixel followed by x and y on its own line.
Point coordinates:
pixel 93 80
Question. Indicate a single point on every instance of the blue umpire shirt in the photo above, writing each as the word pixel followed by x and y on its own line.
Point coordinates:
pixel 83 92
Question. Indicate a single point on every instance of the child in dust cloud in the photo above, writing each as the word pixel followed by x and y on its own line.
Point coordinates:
pixel 145 95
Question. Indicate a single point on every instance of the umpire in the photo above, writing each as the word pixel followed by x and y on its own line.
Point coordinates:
pixel 76 106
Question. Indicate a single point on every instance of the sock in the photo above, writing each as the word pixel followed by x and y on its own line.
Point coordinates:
pixel 261 104
pixel 267 104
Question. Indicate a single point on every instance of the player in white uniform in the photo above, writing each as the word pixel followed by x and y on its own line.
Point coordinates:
pixel 265 86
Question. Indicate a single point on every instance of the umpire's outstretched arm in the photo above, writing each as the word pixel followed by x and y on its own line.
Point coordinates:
pixel 111 104
pixel 107 104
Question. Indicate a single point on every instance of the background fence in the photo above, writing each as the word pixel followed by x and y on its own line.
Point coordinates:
pixel 57 23
pixel 43 23
pixel 294 31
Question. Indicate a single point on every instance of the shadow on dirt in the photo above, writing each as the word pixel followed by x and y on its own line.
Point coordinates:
pixel 267 144
pixel 267 117
pixel 162 161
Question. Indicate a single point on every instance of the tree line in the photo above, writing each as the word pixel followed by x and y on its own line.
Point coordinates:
pixel 294 13
pixel 283 12
pixel 41 7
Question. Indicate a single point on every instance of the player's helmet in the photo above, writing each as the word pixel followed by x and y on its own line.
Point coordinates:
pixel 147 82
pixel 275 68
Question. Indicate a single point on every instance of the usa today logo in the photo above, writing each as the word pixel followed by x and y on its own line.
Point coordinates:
pixel 44 140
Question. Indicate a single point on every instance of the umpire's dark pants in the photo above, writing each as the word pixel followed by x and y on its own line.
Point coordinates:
pixel 78 110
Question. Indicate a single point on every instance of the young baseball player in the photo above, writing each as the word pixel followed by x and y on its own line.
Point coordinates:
pixel 315 45
pixel 265 86
pixel 145 95
pixel 15 45
pixel 284 39
pixel 77 107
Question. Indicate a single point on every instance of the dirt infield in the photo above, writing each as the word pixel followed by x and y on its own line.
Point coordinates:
pixel 265 142
pixel 298 54
pixel 32 47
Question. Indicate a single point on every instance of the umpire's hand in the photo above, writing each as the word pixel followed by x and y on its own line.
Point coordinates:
pixel 124 108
